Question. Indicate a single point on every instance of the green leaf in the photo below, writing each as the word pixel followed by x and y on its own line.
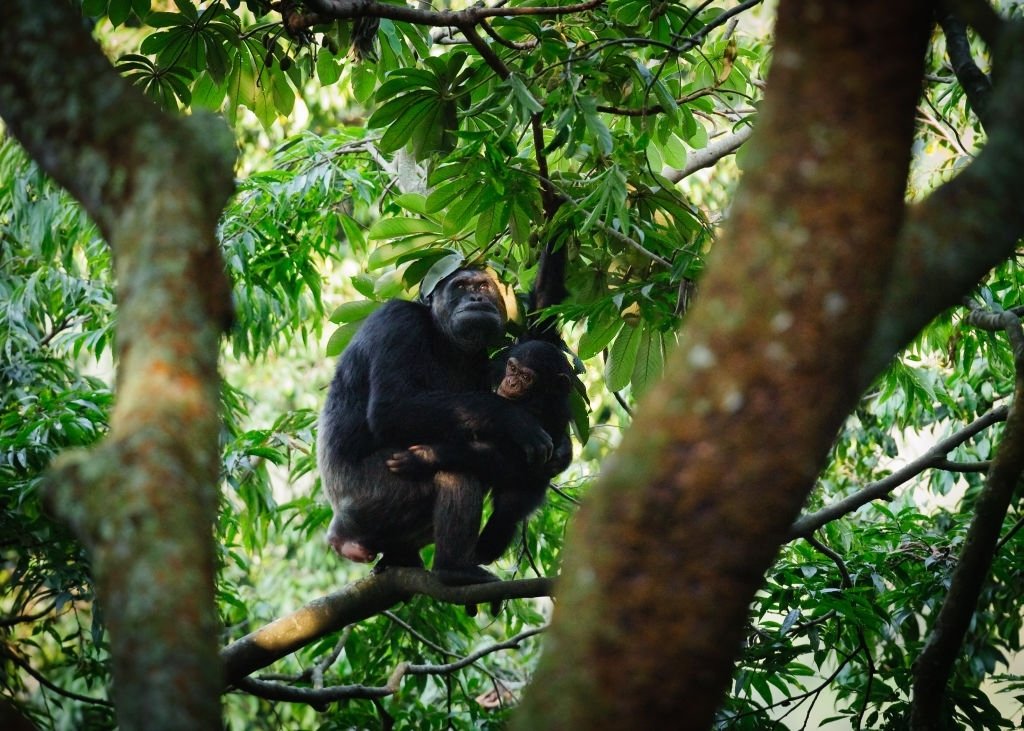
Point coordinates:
pixel 118 11
pixel 354 311
pixel 207 93
pixel 392 228
pixel 341 337
pixel 412 202
pixel 523 96
pixel 389 253
pixel 442 195
pixel 597 336
pixel 650 361
pixel 328 67
pixel 363 284
pixel 353 232
pixel 165 20
pixel 699 139
pixel 284 95
pixel 622 358
pixel 674 152
pixel 94 8
pixel 364 82
pixel 441 269
pixel 580 416
pixel 401 130
pixel 156 42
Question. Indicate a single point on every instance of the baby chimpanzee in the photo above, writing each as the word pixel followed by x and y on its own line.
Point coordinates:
pixel 536 375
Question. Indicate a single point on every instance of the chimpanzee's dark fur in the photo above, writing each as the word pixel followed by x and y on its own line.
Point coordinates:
pixel 417 372
pixel 536 375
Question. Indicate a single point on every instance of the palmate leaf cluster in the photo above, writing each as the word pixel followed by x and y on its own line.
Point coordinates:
pixel 329 222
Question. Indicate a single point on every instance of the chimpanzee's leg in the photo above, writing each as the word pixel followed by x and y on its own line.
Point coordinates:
pixel 457 514
pixel 510 507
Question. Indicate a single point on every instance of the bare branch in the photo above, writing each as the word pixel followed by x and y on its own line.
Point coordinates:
pixel 320 696
pixel 510 643
pixel 967 226
pixel 935 664
pixel 934 457
pixel 327 10
pixel 975 83
pixel 715 151
pixel 46 683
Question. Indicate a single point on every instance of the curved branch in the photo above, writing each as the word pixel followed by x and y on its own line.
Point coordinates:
pixel 952 238
pixel 935 664
pixel 321 696
pixel 327 10
pixel 865 649
pixel 510 643
pixel 715 151
pixel 980 15
pixel 975 83
pixel 318 697
pixel 357 601
pixel 934 457
pixel 46 683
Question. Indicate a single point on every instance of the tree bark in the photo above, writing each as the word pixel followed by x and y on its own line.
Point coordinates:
pixel 144 501
pixel 963 229
pixel 669 549
pixel 934 666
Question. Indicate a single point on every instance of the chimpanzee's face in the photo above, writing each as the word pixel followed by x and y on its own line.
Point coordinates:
pixel 468 309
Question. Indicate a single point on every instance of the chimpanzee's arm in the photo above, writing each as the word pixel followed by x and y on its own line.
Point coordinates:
pixel 483 459
pixel 561 457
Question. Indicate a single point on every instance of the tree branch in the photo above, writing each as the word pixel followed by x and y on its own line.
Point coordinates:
pixel 355 602
pixel 935 664
pixel 326 10
pixel 319 697
pixel 934 457
pixel 975 83
pixel 952 238
pixel 715 151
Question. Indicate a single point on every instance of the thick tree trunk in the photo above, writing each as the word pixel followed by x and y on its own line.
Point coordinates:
pixel 666 555
pixel 144 501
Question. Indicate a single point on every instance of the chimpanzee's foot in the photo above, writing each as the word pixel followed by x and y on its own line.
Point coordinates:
pixel 464 575
pixel 404 559
pixel 472 610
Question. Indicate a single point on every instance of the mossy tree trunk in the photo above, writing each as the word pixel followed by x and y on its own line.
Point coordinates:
pixel 673 542
pixel 143 502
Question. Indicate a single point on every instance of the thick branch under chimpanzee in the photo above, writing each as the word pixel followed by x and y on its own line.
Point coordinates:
pixel 355 602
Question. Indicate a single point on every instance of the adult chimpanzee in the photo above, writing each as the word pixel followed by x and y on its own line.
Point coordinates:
pixel 536 375
pixel 417 372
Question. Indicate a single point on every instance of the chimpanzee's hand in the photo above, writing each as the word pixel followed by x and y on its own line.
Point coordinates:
pixel 561 458
pixel 531 438
pixel 415 463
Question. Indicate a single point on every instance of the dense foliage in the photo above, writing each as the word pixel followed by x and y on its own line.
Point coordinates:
pixel 363 178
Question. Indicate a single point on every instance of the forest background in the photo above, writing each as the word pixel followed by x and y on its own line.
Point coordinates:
pixel 791 232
